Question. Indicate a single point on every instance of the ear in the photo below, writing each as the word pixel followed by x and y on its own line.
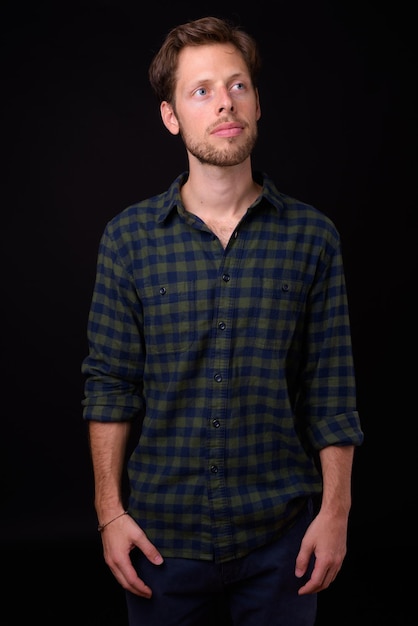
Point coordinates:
pixel 258 107
pixel 169 118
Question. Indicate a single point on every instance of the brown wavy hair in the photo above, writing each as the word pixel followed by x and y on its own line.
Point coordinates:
pixel 203 31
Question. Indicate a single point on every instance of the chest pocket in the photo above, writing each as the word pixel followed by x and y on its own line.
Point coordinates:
pixel 277 314
pixel 170 317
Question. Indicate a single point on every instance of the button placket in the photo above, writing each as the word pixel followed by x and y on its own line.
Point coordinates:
pixel 218 422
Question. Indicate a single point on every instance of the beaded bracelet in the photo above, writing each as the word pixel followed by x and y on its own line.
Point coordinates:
pixel 101 527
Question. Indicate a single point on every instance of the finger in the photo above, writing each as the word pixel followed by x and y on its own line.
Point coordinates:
pixel 148 549
pixel 130 581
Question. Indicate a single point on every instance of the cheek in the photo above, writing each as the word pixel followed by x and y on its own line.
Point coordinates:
pixel 192 124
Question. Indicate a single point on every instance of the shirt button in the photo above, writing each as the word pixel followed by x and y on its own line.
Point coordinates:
pixel 216 423
pixel 213 469
pixel 218 378
pixel 163 290
pixel 285 287
pixel 226 278
pixel 221 325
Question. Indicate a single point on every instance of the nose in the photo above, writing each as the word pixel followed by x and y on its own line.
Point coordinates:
pixel 225 101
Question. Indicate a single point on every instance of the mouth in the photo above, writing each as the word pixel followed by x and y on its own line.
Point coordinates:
pixel 227 129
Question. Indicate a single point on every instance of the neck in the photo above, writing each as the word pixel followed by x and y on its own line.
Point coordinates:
pixel 219 192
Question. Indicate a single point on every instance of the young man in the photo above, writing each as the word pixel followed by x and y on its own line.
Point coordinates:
pixel 219 323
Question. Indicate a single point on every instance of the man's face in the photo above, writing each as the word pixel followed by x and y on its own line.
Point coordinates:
pixel 216 107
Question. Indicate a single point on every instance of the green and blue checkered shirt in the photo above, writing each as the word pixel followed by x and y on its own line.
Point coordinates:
pixel 238 362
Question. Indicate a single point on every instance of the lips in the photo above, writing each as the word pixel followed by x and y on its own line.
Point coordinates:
pixel 228 129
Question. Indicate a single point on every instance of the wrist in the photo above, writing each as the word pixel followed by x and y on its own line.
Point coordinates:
pixel 102 525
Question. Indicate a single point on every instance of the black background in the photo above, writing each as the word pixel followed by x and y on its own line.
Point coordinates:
pixel 81 139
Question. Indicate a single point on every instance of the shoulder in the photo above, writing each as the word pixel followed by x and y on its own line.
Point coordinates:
pixel 148 213
pixel 297 214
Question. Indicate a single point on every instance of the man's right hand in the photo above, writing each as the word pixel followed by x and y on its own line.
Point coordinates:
pixel 119 539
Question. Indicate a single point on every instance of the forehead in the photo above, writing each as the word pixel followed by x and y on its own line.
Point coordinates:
pixel 208 61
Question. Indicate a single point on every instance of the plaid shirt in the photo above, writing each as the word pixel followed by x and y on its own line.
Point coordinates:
pixel 238 362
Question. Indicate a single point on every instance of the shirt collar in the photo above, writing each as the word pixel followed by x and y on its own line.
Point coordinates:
pixel 172 197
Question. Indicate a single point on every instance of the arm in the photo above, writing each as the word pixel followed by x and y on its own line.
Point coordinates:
pixel 108 443
pixel 326 537
pixel 108 446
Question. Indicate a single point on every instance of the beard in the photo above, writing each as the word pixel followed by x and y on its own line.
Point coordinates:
pixel 233 155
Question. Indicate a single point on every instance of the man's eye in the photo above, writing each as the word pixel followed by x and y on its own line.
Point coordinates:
pixel 201 91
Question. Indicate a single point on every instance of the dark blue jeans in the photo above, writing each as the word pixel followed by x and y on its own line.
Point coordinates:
pixel 257 590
